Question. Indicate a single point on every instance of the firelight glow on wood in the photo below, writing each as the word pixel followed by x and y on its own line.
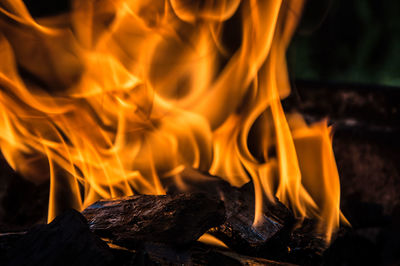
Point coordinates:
pixel 113 97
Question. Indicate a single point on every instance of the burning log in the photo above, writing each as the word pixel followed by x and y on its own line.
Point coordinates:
pixel 175 220
pixel 305 246
pixel 238 232
pixel 68 241
pixel 277 236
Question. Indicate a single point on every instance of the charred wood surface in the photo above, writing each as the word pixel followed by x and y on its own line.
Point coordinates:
pixel 65 241
pixel 196 254
pixel 175 220
pixel 238 232
pixel 278 236
pixel 68 241
pixel 268 237
pixel 305 245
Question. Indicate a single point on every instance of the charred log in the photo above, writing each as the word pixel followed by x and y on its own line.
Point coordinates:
pixel 68 241
pixel 196 254
pixel 65 241
pixel 305 245
pixel 161 230
pixel 238 232
pixel 279 236
pixel 175 220
pixel 268 237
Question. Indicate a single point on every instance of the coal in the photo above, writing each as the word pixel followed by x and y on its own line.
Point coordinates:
pixel 174 220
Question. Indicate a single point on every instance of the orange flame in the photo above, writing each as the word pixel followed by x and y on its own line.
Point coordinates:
pixel 118 95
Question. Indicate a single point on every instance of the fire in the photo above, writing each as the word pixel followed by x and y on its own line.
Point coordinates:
pixel 115 96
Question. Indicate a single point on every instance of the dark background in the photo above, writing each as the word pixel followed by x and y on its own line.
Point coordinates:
pixel 348 41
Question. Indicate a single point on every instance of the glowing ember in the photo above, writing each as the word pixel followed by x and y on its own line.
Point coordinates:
pixel 118 95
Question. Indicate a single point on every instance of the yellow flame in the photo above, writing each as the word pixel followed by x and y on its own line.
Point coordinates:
pixel 118 95
pixel 212 240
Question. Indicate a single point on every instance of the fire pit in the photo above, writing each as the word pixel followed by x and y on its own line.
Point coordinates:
pixel 164 132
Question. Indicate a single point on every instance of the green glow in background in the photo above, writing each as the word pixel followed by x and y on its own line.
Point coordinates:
pixel 350 41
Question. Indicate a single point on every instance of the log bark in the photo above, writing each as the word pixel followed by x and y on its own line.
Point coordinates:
pixel 270 235
pixel 174 220
pixel 279 236
pixel 238 232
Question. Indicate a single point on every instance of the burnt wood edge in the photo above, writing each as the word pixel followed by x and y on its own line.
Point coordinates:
pixel 175 220
pixel 197 254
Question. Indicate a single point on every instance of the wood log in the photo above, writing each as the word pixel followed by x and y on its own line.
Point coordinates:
pixel 238 232
pixel 269 237
pixel 162 229
pixel 175 220
pixel 67 240
pixel 195 254
pixel 148 254
pixel 279 236
pixel 305 245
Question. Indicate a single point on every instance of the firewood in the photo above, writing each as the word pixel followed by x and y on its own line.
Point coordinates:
pixel 238 232
pixel 175 220
pixel 160 230
pixel 305 245
pixel 195 254
pixel 148 254
pixel 267 238
pixel 279 236
pixel 67 240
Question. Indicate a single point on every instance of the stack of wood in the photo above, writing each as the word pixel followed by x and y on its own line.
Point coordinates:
pixel 164 229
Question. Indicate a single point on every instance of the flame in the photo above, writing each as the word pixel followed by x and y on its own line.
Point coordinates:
pixel 112 97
